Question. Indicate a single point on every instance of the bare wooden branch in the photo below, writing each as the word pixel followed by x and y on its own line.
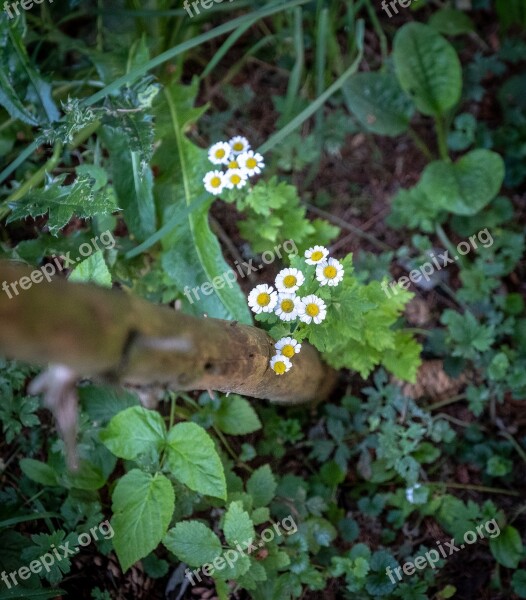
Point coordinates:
pixel 112 335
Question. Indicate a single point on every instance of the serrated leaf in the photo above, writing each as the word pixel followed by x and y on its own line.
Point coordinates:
pixel 379 103
pixel 262 485
pixel 238 526
pixel 92 269
pixel 62 202
pixel 193 542
pixel 507 548
pixel 428 68
pixel 143 505
pixel 133 432
pixel 236 416
pixel 192 458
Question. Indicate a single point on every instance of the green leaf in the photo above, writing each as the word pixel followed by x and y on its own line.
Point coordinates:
pixel 236 416
pixel 20 81
pixel 467 186
pixel 238 526
pixel 427 68
pixel 450 21
pixel 379 103
pixel 62 202
pixel 135 431
pixel 39 471
pixel 193 542
pixel 262 486
pixel 104 402
pixel 93 269
pixel 507 548
pixel 191 253
pixel 193 460
pixel 143 505
pixel 518 582
pixel 133 181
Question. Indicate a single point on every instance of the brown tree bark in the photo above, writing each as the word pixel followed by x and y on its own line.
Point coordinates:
pixel 112 335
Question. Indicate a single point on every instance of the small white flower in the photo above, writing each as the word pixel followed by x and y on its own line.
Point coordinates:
pixel 214 182
pixel 289 280
pixel 315 255
pixel 280 364
pixel 329 272
pixel 262 299
pixel 252 162
pixel 288 306
pixel 235 178
pixel 311 309
pixel 239 144
pixel 288 346
pixel 219 153
pixel 232 162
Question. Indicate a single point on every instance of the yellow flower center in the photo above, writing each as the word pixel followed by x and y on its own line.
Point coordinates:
pixel 235 179
pixel 238 146
pixel 263 299
pixel 215 182
pixel 313 310
pixel 330 272
pixel 220 153
pixel 251 163
pixel 287 306
pixel 233 165
pixel 289 281
pixel 318 255
pixel 279 367
pixel 288 351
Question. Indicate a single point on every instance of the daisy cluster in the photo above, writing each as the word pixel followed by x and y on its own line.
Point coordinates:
pixel 285 302
pixel 240 162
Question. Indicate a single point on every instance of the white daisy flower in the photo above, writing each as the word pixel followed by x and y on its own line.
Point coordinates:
pixel 252 162
pixel 239 144
pixel 214 182
pixel 289 280
pixel 280 364
pixel 288 346
pixel 262 299
pixel 232 162
pixel 235 178
pixel 311 309
pixel 287 307
pixel 219 153
pixel 329 272
pixel 316 255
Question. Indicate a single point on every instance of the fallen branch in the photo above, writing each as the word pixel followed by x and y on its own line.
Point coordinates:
pixel 114 336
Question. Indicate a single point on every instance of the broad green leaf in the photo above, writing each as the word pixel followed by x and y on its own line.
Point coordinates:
pixel 193 460
pixel 104 402
pixel 518 582
pixel 20 82
pixel 464 187
pixel 143 505
pixel 236 416
pixel 450 21
pixel 92 269
pixel 428 68
pixel 193 542
pixel 262 486
pixel 182 166
pixel 379 103
pixel 507 548
pixel 135 431
pixel 39 471
pixel 132 179
pixel 238 526
pixel 62 202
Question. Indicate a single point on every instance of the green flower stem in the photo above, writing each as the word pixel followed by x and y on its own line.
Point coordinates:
pixel 420 144
pixel 449 245
pixel 442 138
